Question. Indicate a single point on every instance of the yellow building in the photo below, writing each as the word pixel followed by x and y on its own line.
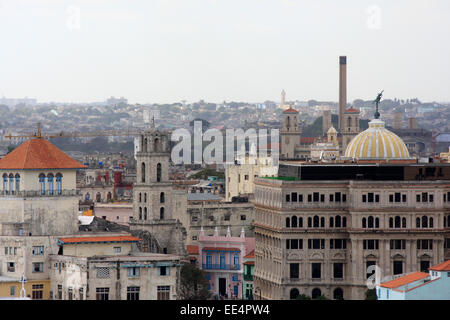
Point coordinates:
pixel 34 289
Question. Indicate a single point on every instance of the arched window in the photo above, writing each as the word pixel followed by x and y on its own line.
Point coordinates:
pixel 417 222
pixel 391 222
pixel 344 222
pixel 316 221
pixel 140 197
pixel 316 293
pixel 293 294
pixel 11 182
pixel 50 183
pixel 397 221
pixel 5 183
pixel 145 197
pixel 424 222
pixel 143 172
pixel 161 197
pixel 370 222
pixel 161 213
pixel 145 213
pixel 59 183
pixel 349 122
pixel 431 222
pixel 42 183
pixel 145 145
pixel 156 144
pixel 403 222
pixel 17 182
pixel 309 222
pixel 364 224
pixel 377 222
pixel 338 221
pixel 288 222
pixel 158 172
pixel 331 222
pixel 322 222
pixel 338 294
pixel 140 213
pixel 300 222
pixel 294 222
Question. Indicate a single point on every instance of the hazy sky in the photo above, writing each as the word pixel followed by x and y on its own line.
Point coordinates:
pixel 235 50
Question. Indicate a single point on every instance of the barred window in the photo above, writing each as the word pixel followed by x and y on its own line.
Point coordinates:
pixel 163 293
pixel 102 293
pixel 133 293
pixel 103 272
pixel 38 291
pixel 134 272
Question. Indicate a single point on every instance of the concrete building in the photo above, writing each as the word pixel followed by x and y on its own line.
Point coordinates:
pixel 38 202
pixel 239 177
pixel 434 285
pixel 222 258
pixel 318 227
pixel 111 268
pixel 207 215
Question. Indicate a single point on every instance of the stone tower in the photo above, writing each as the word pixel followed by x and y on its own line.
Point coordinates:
pixel 157 207
pixel 350 127
pixel 290 134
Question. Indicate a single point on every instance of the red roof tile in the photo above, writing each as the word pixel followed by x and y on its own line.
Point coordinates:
pixel 415 276
pixel 75 240
pixel 191 249
pixel 290 110
pixel 251 255
pixel 444 266
pixel 351 110
pixel 38 154
pixel 222 249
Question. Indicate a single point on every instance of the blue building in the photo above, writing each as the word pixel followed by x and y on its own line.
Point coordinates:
pixel 434 285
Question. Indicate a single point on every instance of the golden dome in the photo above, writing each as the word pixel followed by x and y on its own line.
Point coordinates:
pixel 377 142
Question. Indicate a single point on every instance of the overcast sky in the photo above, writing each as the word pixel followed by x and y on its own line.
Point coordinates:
pixel 158 51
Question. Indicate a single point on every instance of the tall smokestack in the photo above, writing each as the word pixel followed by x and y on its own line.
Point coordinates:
pixel 342 89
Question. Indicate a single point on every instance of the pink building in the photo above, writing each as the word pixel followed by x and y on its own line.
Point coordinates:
pixel 222 258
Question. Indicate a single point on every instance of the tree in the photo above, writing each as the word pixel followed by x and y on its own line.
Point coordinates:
pixel 303 297
pixel 321 298
pixel 193 283
pixel 371 294
pixel 10 148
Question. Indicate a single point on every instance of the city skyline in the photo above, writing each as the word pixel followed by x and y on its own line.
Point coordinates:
pixel 168 51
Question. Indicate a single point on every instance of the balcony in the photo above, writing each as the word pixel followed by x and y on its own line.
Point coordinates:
pixel 248 277
pixel 215 266
pixel 34 193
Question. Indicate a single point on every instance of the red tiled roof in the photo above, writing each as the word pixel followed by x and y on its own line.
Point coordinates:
pixel 350 110
pixel 251 255
pixel 98 239
pixel 191 249
pixel 38 154
pixel 290 110
pixel 222 249
pixel 415 276
pixel 444 266
pixel 250 263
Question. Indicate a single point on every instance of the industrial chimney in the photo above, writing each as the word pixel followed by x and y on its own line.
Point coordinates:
pixel 342 89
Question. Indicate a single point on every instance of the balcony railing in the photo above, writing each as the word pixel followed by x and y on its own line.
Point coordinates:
pixel 34 193
pixel 215 266
pixel 248 277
